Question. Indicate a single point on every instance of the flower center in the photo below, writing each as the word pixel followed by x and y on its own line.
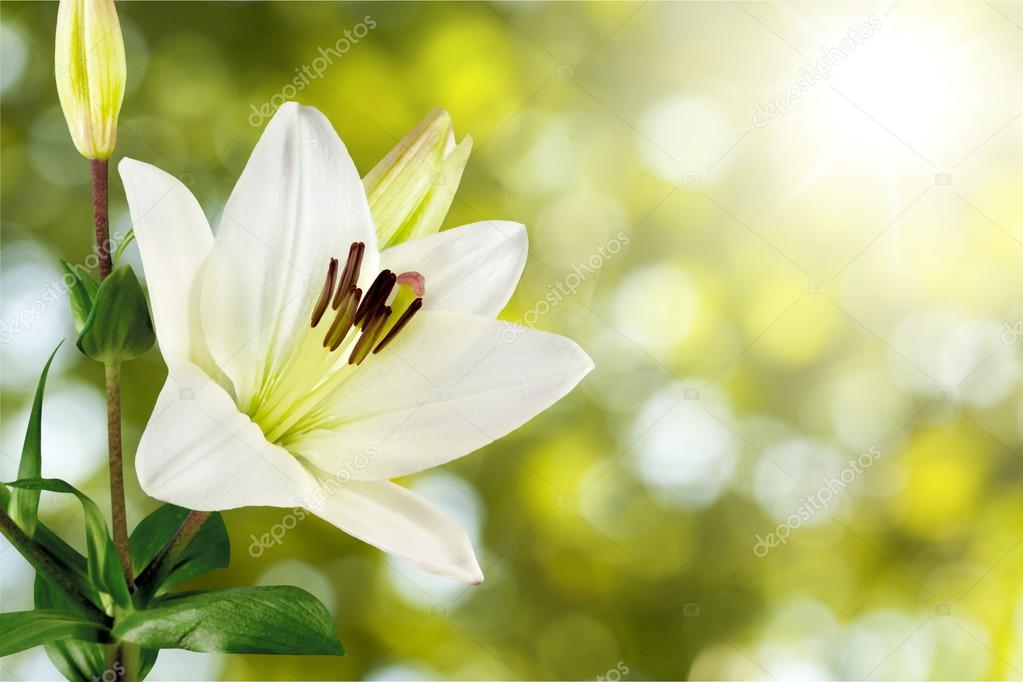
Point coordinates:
pixel 369 313
pixel 297 395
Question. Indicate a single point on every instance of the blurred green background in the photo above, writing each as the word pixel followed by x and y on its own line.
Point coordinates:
pixel 768 291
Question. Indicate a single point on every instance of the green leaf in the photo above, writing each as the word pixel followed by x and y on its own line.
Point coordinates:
pixel 22 630
pixel 67 560
pixel 24 504
pixel 254 620
pixel 82 290
pixel 103 563
pixel 208 550
pixel 128 239
pixel 119 327
pixel 147 659
pixel 77 660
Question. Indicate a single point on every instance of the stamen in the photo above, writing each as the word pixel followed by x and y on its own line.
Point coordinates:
pixel 370 312
pixel 376 296
pixel 370 333
pixel 350 275
pixel 328 289
pixel 400 324
pixel 414 281
pixel 343 321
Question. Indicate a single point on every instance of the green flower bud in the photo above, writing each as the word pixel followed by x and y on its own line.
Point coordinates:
pixel 119 327
pixel 90 70
pixel 411 189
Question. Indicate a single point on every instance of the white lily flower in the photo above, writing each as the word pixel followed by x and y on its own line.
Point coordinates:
pixel 301 373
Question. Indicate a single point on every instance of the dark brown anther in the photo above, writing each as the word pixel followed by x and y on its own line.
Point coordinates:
pixel 376 295
pixel 328 289
pixel 342 320
pixel 350 273
pixel 400 324
pixel 371 331
pixel 370 313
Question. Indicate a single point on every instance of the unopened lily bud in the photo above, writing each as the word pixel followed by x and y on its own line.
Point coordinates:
pixel 90 70
pixel 411 189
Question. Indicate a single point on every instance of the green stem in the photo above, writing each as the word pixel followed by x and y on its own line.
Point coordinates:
pixel 160 567
pixel 117 506
pixel 122 667
pixel 122 662
pixel 41 562
pixel 118 516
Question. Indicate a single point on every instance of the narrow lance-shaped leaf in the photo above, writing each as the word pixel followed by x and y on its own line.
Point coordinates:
pixel 128 239
pixel 104 565
pixel 24 504
pixel 22 630
pixel 253 620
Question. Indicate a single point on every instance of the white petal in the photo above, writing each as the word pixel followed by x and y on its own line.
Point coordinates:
pixel 450 384
pixel 298 202
pixel 174 240
pixel 399 522
pixel 470 269
pixel 198 451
